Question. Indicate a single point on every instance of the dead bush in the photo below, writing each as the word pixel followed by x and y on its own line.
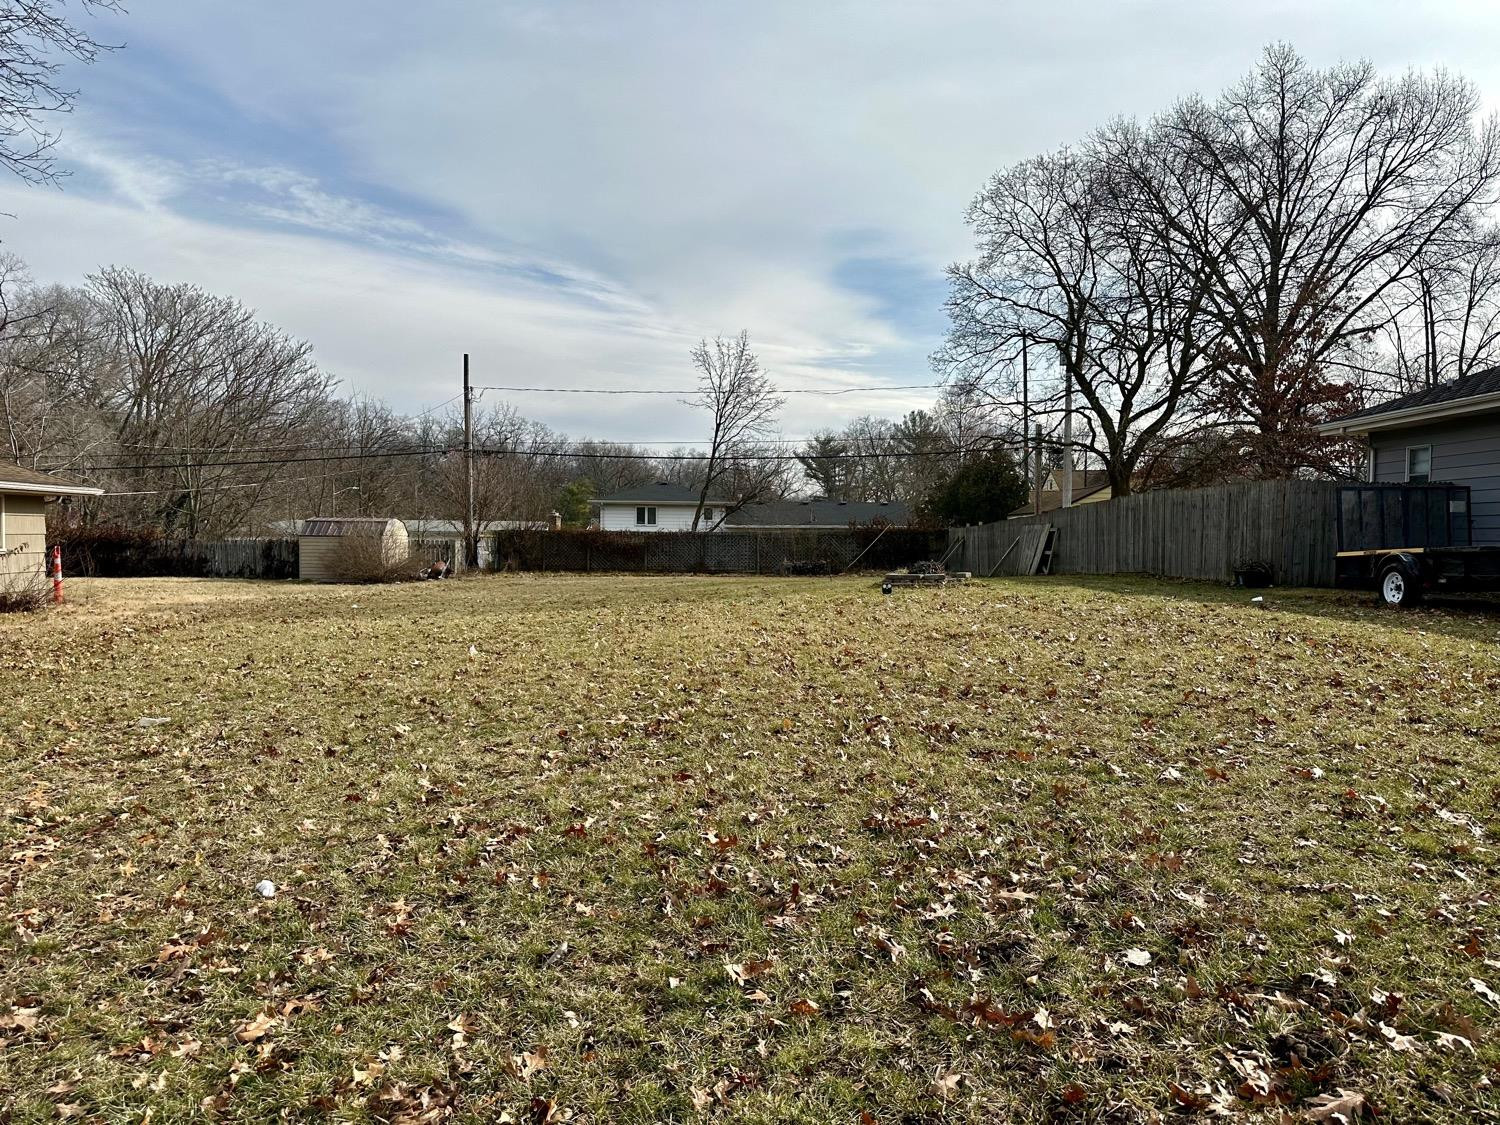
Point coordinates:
pixel 365 558
pixel 26 592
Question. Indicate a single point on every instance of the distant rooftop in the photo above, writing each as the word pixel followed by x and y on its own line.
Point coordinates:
pixel 819 513
pixel 19 478
pixel 662 492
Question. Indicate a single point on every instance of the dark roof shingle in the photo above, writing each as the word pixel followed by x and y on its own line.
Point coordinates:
pixel 818 513
pixel 1471 386
pixel 662 492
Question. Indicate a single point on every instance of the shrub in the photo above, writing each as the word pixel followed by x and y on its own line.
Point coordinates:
pixel 108 550
pixel 25 592
pixel 364 558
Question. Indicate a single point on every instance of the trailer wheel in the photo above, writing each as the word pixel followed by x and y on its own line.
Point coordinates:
pixel 1398 587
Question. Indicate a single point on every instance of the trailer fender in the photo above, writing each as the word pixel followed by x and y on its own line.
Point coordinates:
pixel 1408 562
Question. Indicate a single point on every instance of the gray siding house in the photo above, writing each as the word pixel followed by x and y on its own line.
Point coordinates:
pixel 1449 433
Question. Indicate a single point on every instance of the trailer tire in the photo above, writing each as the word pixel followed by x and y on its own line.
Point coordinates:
pixel 1399 587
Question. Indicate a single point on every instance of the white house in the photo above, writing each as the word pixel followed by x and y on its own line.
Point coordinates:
pixel 662 506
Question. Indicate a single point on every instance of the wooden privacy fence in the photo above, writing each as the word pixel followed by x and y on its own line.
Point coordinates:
pixel 821 551
pixel 181 558
pixel 1201 533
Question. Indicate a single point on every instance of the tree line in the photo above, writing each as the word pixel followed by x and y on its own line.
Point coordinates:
pixel 1203 288
pixel 199 420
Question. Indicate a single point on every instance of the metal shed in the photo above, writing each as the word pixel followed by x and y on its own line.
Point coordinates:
pixel 322 538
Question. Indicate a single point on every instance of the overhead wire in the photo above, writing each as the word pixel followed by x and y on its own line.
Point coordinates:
pixel 873 389
pixel 580 454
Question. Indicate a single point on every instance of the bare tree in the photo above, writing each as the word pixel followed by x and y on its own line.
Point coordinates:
pixel 49 359
pixel 36 37
pixel 197 392
pixel 1444 318
pixel 1073 296
pixel 1306 198
pixel 742 403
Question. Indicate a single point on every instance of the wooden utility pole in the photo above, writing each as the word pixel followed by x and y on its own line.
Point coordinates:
pixel 1067 465
pixel 471 528
pixel 1036 472
pixel 1026 415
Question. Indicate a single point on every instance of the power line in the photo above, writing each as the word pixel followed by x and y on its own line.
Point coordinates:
pixel 222 487
pixel 579 454
pixel 693 391
pixel 439 406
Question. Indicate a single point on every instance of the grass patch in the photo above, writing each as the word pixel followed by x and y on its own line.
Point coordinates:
pixel 749 850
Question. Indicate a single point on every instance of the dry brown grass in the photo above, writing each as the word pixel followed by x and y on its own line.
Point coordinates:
pixel 769 850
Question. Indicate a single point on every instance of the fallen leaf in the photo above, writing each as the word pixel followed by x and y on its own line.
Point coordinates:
pixel 255 1028
pixel 947 1085
pixel 1344 1106
pixel 1485 991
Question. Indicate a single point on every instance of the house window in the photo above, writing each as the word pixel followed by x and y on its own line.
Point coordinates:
pixel 1418 464
pixel 645 517
pixel 708 515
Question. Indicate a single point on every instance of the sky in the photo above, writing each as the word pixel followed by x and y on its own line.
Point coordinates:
pixel 574 192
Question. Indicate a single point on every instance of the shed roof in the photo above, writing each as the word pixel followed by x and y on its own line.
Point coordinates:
pixel 348 525
pixel 18 478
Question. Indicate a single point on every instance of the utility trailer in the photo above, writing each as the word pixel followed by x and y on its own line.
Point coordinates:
pixel 1410 540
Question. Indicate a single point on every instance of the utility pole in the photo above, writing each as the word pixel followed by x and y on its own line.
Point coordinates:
pixel 1025 416
pixel 1067 465
pixel 471 529
pixel 1036 472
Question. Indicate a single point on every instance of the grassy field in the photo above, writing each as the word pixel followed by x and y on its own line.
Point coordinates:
pixel 639 849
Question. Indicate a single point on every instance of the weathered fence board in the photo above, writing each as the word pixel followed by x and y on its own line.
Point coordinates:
pixel 1200 533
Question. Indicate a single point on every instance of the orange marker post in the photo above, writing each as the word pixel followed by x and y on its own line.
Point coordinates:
pixel 57 595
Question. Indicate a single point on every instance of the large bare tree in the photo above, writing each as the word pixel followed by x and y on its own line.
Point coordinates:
pixel 200 396
pixel 743 405
pixel 1306 198
pixel 1075 311
pixel 37 38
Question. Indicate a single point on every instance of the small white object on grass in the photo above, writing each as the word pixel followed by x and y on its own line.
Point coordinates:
pixel 266 889
pixel 1257 600
pixel 151 721
pixel 473 650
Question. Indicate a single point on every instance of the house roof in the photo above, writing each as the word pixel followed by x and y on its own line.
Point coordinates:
pixel 818 513
pixel 1086 483
pixel 662 492
pixel 347 525
pixel 445 529
pixel 1473 393
pixel 18 478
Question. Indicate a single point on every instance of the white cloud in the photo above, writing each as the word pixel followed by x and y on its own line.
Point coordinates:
pixel 579 189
